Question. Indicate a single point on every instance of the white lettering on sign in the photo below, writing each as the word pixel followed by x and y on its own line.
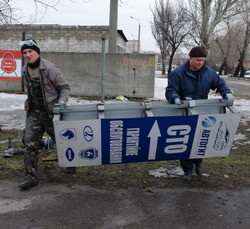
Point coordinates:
pixel 181 139
pixel 219 140
pixel 184 129
pixel 116 134
pixel 132 143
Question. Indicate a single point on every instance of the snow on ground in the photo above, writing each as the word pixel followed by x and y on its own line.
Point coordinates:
pixel 11 102
pixel 12 114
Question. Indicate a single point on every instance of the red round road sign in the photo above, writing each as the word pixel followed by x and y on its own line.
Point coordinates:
pixel 8 65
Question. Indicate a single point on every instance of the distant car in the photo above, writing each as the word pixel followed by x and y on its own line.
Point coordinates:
pixel 247 74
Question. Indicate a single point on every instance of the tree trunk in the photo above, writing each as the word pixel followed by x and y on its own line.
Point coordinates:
pixel 163 63
pixel 170 62
pixel 221 68
pixel 240 67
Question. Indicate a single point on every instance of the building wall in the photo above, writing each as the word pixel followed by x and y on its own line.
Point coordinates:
pixel 77 51
pixel 132 46
pixel 131 75
pixel 59 38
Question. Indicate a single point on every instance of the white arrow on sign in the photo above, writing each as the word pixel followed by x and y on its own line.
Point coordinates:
pixel 154 134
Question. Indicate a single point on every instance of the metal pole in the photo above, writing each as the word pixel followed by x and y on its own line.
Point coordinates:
pixel 23 39
pixel 139 37
pixel 139 33
pixel 102 70
pixel 113 15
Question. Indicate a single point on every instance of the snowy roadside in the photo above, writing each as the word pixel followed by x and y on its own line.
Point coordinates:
pixel 12 114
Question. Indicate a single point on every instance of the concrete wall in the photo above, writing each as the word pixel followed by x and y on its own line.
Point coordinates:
pixel 131 75
pixel 10 86
pixel 77 51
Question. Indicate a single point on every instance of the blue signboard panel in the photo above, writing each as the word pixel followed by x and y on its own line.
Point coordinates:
pixel 147 139
pixel 130 140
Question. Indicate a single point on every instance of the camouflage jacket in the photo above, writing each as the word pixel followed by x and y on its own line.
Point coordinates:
pixel 54 87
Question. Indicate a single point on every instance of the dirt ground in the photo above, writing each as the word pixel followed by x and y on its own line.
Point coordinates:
pixel 232 172
pixel 126 196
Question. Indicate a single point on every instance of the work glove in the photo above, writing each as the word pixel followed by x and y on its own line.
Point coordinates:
pixel 229 97
pixel 62 105
pixel 177 101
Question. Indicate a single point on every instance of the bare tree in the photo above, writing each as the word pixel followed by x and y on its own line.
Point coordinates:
pixel 162 44
pixel 240 70
pixel 170 27
pixel 227 44
pixel 9 14
pixel 206 15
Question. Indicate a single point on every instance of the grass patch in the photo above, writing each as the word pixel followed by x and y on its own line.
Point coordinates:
pixel 241 96
pixel 230 172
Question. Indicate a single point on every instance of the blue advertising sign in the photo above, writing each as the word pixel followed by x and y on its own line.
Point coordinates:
pixel 130 140
pixel 147 139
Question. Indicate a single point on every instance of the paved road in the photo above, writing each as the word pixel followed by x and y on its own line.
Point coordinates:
pixel 242 86
pixel 58 206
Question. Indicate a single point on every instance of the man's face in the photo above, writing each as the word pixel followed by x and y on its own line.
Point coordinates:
pixel 196 63
pixel 30 55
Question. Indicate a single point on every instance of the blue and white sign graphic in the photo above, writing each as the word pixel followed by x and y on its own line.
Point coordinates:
pixel 90 153
pixel 208 121
pixel 214 135
pixel 147 139
pixel 129 140
pixel 70 155
pixel 68 134
pixel 88 133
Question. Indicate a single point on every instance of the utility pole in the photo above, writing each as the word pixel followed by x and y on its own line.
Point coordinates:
pixel 113 14
pixel 139 33
pixel 23 39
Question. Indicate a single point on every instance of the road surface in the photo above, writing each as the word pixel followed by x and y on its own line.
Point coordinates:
pixel 239 85
pixel 71 207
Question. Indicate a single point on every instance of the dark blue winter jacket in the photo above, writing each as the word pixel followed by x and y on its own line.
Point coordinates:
pixel 183 83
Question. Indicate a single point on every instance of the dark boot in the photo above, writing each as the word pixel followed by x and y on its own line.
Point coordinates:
pixel 27 183
pixel 198 169
pixel 187 176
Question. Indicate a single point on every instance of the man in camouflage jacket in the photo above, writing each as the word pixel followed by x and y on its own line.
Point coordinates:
pixel 46 86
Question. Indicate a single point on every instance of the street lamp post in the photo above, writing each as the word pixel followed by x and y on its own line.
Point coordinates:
pixel 139 33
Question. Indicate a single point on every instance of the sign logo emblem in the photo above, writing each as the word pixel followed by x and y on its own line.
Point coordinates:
pixel 89 153
pixel 222 137
pixel 68 134
pixel 209 121
pixel 88 133
pixel 70 155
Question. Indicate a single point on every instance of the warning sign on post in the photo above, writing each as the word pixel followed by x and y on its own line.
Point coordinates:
pixel 11 64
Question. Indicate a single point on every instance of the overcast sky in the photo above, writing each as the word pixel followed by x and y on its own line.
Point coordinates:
pixel 96 12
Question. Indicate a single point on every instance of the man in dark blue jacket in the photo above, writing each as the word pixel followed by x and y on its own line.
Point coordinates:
pixel 193 80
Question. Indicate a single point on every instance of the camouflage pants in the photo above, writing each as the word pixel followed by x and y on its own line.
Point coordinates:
pixel 37 123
